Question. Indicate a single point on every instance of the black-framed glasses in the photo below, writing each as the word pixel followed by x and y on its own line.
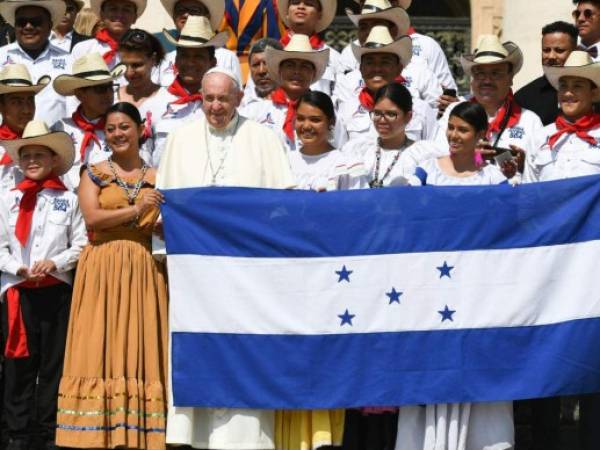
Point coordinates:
pixel 587 14
pixel 378 114
pixel 191 11
pixel 36 22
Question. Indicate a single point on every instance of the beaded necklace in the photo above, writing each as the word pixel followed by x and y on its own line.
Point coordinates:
pixel 133 193
pixel 376 183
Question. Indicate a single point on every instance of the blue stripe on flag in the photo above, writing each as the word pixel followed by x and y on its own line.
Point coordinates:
pixel 262 371
pixel 275 223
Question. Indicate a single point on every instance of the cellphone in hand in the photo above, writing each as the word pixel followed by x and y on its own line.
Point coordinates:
pixel 501 158
pixel 449 92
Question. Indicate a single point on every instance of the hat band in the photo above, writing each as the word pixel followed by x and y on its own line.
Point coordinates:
pixel 8 81
pixel 490 53
pixel 193 38
pixel 370 9
pixel 91 73
pixel 375 45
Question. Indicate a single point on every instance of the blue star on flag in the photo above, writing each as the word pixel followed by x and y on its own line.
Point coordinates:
pixel 344 274
pixel 445 270
pixel 394 296
pixel 346 318
pixel 447 314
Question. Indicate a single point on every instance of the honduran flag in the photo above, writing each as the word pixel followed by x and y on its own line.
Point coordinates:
pixel 296 299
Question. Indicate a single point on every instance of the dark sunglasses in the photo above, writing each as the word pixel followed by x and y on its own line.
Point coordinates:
pixel 587 14
pixel 136 36
pixel 21 22
pixel 190 11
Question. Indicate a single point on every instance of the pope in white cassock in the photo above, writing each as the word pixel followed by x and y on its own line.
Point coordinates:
pixel 222 149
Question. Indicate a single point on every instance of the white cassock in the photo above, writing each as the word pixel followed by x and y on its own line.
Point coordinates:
pixel 244 154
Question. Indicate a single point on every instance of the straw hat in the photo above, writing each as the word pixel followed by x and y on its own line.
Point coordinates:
pixel 15 78
pixel 56 9
pixel 578 64
pixel 37 133
pixel 298 48
pixel 382 9
pixel 491 51
pixel 404 4
pixel 197 33
pixel 216 8
pixel 89 70
pixel 381 41
pixel 328 9
pixel 140 6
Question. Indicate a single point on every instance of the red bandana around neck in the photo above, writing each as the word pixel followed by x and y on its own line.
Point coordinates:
pixel 411 31
pixel 182 94
pixel 580 128
pixel 515 116
pixel 316 42
pixel 104 36
pixel 7 134
pixel 366 98
pixel 279 97
pixel 30 189
pixel 89 130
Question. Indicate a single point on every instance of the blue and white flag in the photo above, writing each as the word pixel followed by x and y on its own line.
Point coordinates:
pixel 297 299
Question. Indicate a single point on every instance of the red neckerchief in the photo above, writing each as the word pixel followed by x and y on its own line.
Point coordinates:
pixel 182 94
pixel 316 42
pixel 279 97
pixel 104 36
pixel 367 99
pixel 515 115
pixel 411 31
pixel 7 134
pixel 89 130
pixel 30 189
pixel 580 128
pixel 16 339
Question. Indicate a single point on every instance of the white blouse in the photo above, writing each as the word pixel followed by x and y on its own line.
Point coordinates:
pixel 430 173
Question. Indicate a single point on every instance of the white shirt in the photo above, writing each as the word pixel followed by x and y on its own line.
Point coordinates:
pixel 166 73
pixel 64 42
pixel 356 121
pixel 570 157
pixel 57 233
pixel 250 95
pixel 429 173
pixel 53 61
pixel 94 46
pixel 10 174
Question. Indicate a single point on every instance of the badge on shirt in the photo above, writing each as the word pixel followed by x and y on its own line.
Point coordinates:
pixel 408 82
pixel 61 204
pixel 516 132
pixel 8 61
pixel 416 50
pixel 170 112
pixel 268 120
pixel 59 63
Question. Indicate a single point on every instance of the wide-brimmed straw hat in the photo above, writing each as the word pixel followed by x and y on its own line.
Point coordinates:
pixel 328 9
pixel 140 6
pixel 404 4
pixel 197 33
pixel 579 64
pixel 56 9
pixel 89 70
pixel 216 9
pixel 383 10
pixel 37 133
pixel 15 78
pixel 298 48
pixel 490 50
pixel 381 41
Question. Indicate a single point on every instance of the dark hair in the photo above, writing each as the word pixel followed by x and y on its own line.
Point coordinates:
pixel 321 101
pixel 593 2
pixel 138 40
pixel 126 108
pixel 472 113
pixel 261 45
pixel 562 27
pixel 397 93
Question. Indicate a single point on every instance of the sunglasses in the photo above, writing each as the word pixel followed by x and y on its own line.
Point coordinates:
pixel 36 22
pixel 587 14
pixel 190 11
pixel 136 36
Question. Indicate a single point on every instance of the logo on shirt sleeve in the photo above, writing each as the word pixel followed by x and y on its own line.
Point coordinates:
pixel 59 63
pixel 61 204
pixel 268 120
pixel 516 132
pixel 416 50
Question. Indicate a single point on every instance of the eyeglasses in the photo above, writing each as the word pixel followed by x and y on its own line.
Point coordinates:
pixel 494 75
pixel 587 14
pixel 36 22
pixel 377 114
pixel 190 11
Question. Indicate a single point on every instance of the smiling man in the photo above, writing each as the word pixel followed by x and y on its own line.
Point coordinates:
pixel 587 20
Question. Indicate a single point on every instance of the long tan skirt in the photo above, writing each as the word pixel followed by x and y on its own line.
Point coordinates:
pixel 113 388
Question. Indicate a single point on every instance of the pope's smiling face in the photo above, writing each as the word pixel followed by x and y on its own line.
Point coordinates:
pixel 221 98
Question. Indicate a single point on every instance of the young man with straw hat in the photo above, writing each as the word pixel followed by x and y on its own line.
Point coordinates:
pixel 417 77
pixel 93 85
pixel 33 20
pixel 492 67
pixel 180 11
pixel 117 16
pixel 17 107
pixel 42 233
pixel 381 62
pixel 294 69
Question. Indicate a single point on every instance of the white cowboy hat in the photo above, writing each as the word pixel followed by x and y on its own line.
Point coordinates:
pixel 56 9
pixel 381 41
pixel 216 9
pixel 404 4
pixel 89 70
pixel 382 9
pixel 490 50
pixel 579 64
pixel 298 48
pixel 328 9
pixel 15 78
pixel 140 6
pixel 198 33
pixel 37 133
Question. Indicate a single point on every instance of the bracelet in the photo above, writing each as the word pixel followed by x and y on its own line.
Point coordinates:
pixel 136 219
